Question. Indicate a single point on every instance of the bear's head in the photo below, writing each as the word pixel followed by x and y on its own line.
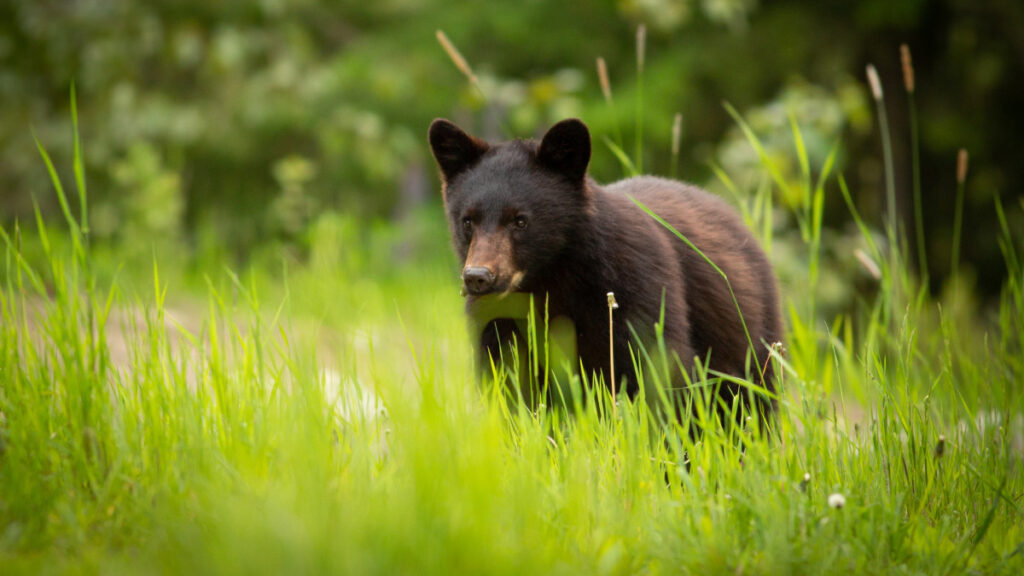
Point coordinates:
pixel 512 207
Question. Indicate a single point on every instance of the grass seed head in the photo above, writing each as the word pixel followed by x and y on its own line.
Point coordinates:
pixel 961 166
pixel 456 57
pixel 868 264
pixel 677 134
pixel 602 77
pixel 876 84
pixel 940 447
pixel 641 46
pixel 908 68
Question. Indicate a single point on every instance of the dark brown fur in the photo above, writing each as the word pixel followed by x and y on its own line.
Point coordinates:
pixel 582 240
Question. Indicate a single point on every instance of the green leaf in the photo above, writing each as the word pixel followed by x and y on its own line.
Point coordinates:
pixel 623 158
pixel 76 233
pixel 755 142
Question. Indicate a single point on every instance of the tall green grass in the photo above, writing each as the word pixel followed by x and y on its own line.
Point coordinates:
pixel 271 432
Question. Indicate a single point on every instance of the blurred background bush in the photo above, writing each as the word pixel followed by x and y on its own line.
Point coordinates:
pixel 227 132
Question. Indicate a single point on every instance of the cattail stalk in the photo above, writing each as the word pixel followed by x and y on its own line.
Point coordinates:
pixel 958 216
pixel 908 83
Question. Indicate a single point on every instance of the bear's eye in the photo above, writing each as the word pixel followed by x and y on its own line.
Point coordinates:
pixel 467 225
pixel 520 222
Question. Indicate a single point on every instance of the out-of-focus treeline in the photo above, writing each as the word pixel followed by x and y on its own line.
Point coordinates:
pixel 216 129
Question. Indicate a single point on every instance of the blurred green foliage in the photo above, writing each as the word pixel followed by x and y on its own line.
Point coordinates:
pixel 222 131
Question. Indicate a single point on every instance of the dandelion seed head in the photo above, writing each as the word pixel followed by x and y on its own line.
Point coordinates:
pixel 836 500
pixel 611 301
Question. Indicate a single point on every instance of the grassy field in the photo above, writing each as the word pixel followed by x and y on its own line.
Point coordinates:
pixel 327 419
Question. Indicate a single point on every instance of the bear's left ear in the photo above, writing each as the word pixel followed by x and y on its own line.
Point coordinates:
pixel 566 149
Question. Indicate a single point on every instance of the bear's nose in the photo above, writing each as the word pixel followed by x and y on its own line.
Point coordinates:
pixel 478 279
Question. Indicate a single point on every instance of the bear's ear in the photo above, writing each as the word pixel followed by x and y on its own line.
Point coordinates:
pixel 454 150
pixel 566 149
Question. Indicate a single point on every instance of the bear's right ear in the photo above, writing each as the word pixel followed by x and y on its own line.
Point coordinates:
pixel 566 149
pixel 454 150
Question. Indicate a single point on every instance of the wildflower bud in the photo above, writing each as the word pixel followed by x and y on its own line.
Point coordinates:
pixel 805 482
pixel 876 84
pixel 940 447
pixel 908 68
pixel 961 166
pixel 836 500
pixel 602 77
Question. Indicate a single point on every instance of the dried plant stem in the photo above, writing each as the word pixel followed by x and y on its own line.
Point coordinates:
pixel 612 305
pixel 915 151
pixel 958 216
pixel 641 47
pixel 922 251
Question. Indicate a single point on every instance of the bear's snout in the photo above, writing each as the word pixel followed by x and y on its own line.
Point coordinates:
pixel 478 279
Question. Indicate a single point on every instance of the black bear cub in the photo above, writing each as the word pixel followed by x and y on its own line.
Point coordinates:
pixel 525 217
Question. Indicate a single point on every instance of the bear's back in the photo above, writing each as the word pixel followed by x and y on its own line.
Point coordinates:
pixel 715 229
